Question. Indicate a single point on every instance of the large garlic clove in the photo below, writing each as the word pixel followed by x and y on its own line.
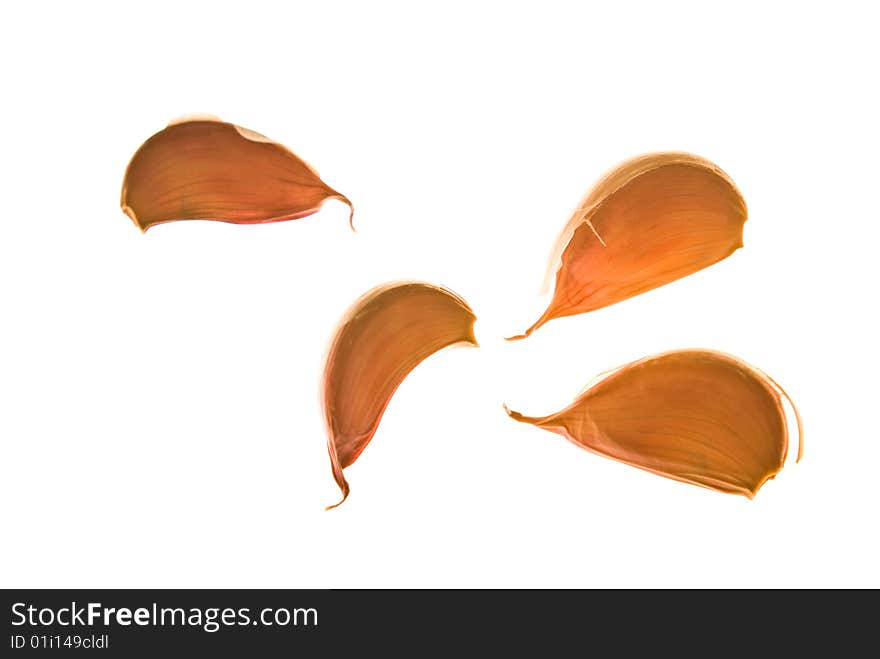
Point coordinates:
pixel 652 220
pixel 696 416
pixel 206 169
pixel 383 337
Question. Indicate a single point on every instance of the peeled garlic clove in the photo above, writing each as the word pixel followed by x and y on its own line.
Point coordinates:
pixel 383 337
pixel 206 169
pixel 696 416
pixel 652 220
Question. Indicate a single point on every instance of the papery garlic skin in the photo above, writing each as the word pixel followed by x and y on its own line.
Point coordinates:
pixel 696 416
pixel 207 169
pixel 382 338
pixel 653 220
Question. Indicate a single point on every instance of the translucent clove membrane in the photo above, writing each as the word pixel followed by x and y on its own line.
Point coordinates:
pixel 206 169
pixel 383 337
pixel 695 416
pixel 652 220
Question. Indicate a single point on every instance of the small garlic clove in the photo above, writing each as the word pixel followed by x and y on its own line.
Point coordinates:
pixel 696 416
pixel 207 169
pixel 381 339
pixel 652 220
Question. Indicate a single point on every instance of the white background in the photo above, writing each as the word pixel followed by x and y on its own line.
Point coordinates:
pixel 159 413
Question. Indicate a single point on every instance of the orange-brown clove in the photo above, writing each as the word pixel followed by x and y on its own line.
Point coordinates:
pixel 206 169
pixel 383 337
pixel 650 221
pixel 695 416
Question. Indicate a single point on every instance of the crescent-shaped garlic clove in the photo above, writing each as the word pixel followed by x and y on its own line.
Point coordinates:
pixel 650 221
pixel 384 336
pixel 207 169
pixel 696 416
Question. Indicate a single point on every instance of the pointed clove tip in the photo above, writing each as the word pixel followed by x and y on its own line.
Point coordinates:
pixel 519 337
pixel 513 414
pixel 341 501
pixel 524 335
pixel 340 481
pixel 345 200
